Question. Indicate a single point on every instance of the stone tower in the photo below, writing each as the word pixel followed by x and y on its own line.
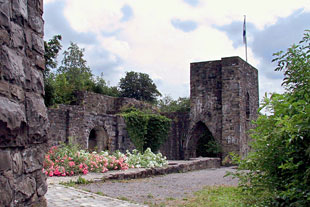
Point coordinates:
pixel 224 100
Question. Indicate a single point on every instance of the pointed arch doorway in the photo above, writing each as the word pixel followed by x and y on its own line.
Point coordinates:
pixel 202 143
pixel 98 140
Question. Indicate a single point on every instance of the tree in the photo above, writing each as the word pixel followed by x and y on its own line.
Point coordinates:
pixel 100 86
pixel 75 68
pixel 139 86
pixel 167 104
pixel 52 48
pixel 279 165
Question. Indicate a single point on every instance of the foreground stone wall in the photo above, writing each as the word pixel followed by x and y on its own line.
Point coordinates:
pixel 23 115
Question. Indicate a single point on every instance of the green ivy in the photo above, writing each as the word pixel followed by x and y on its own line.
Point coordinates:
pixel 145 129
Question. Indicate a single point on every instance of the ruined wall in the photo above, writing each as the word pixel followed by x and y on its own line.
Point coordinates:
pixel 23 117
pixel 95 111
pixel 224 96
pixel 76 123
pixel 173 148
pixel 102 104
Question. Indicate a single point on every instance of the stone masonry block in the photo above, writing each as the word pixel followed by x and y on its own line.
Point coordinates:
pixel 20 8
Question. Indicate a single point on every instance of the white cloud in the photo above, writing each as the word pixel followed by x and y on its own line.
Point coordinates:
pixel 149 43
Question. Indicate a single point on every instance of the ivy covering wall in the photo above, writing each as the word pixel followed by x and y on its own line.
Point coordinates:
pixel 146 129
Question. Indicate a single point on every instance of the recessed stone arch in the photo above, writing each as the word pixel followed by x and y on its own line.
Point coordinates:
pixel 199 143
pixel 98 139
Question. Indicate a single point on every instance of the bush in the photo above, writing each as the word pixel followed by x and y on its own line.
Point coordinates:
pixel 279 165
pixel 146 160
pixel 145 129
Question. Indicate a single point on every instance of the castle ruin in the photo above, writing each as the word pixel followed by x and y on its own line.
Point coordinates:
pixel 224 101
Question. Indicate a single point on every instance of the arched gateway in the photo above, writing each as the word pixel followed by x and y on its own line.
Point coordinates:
pixel 98 140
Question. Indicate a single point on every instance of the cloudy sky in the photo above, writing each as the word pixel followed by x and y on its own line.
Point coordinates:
pixel 162 37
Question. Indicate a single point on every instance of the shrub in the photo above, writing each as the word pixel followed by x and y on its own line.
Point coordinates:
pixel 279 165
pixel 145 129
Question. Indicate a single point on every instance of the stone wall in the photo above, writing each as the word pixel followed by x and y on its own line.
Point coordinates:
pixel 23 116
pixel 102 104
pixel 94 111
pixel 173 148
pixel 75 123
pixel 224 97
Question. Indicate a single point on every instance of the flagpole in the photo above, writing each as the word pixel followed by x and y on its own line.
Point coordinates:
pixel 245 39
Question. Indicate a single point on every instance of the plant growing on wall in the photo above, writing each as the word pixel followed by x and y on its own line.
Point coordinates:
pixel 145 129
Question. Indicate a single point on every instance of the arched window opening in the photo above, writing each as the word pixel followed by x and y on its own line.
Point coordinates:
pixel 98 140
pixel 247 106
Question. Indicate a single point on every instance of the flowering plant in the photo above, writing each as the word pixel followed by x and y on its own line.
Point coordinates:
pixel 69 160
pixel 146 160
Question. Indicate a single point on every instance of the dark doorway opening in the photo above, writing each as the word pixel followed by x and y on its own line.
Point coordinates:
pixel 98 140
pixel 203 142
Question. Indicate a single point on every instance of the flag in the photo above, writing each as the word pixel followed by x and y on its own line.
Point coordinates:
pixel 244 31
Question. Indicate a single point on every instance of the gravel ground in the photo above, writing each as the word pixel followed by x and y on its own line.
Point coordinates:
pixel 162 188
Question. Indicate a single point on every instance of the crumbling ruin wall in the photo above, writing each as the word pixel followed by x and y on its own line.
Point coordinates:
pixel 174 147
pixel 23 116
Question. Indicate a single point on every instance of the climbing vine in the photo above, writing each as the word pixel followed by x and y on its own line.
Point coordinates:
pixel 146 129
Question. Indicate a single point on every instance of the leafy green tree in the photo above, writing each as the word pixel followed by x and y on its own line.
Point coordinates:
pixel 52 48
pixel 75 68
pixel 139 86
pixel 168 104
pixel 100 86
pixel 279 165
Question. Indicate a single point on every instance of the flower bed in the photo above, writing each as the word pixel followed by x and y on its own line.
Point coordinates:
pixel 69 160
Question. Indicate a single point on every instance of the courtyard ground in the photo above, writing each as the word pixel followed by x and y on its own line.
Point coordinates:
pixel 162 189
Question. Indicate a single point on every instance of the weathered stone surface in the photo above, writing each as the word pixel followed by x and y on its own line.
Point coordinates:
pixel 17 92
pixel 4 37
pixel 38 43
pixel 23 117
pixel 37 117
pixel 5 160
pixel 35 20
pixel 33 159
pixel 11 115
pixel 17 35
pixel 5 192
pixel 17 163
pixel 20 8
pixel 4 88
pixel 41 183
pixel 35 77
pixel 5 12
pixel 12 65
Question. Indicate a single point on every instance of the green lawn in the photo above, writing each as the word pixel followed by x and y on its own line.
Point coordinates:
pixel 210 196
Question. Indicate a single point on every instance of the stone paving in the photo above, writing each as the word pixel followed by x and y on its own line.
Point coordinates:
pixel 63 196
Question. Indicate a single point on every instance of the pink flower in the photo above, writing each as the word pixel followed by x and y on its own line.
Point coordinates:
pixel 51 174
pixel 71 163
pixel 85 171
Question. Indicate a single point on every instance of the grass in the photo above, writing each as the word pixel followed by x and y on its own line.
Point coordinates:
pixel 213 196
pixel 209 196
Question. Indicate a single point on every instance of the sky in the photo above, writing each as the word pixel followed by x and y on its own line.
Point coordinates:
pixel 162 37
